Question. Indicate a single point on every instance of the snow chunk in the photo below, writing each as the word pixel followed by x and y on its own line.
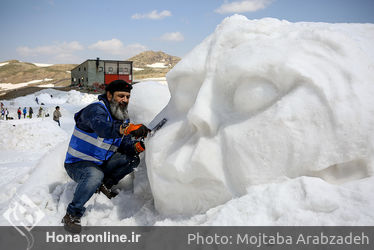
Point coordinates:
pixel 149 97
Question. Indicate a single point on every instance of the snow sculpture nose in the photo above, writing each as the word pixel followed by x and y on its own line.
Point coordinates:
pixel 202 115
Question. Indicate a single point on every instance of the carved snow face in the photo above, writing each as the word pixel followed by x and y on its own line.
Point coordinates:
pixel 256 102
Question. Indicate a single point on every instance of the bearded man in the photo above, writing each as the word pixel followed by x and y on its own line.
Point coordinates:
pixel 101 150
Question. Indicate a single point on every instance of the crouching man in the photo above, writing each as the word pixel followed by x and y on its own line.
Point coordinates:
pixel 101 150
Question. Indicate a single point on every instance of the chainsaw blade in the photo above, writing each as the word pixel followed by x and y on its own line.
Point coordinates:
pixel 158 126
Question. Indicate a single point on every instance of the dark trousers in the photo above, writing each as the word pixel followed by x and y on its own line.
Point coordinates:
pixel 90 176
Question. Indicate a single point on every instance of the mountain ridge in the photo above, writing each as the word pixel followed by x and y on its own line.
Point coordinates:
pixel 148 64
pixel 152 64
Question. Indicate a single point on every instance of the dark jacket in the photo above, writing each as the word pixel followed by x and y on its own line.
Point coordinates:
pixel 93 118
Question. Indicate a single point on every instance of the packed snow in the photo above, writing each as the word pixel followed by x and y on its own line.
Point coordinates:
pixel 161 80
pixel 269 123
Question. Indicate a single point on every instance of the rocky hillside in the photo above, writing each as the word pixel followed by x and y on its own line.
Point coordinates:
pixel 152 64
pixel 21 72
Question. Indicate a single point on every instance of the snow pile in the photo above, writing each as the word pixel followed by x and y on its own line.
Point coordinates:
pixel 303 201
pixel 149 97
pixel 76 98
pixel 43 136
pixel 260 102
pixel 73 97
pixel 53 97
pixel 22 144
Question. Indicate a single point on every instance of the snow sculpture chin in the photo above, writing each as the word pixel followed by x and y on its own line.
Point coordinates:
pixel 260 101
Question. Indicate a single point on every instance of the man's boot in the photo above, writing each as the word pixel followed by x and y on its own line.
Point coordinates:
pixel 72 224
pixel 107 191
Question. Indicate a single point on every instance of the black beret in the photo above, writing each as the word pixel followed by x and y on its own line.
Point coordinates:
pixel 118 85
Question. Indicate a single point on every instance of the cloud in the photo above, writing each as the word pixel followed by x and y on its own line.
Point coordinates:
pixel 56 49
pixel 113 46
pixel 152 15
pixel 243 6
pixel 173 36
pixel 116 47
pixel 60 52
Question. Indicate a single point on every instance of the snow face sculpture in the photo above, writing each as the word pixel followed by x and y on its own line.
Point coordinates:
pixel 260 101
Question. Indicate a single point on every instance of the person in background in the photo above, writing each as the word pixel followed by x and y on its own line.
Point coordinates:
pixel 101 150
pixel 30 112
pixel 40 113
pixel 2 113
pixel 57 115
pixel 24 112
pixel 6 114
pixel 19 113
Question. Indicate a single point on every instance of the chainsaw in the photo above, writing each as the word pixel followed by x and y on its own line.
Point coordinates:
pixel 157 127
pixel 151 131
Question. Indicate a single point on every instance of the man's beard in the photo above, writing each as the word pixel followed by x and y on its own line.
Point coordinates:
pixel 119 112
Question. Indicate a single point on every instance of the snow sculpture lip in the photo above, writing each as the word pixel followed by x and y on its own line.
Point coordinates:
pixel 256 102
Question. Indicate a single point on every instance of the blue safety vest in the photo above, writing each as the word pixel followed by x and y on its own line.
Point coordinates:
pixel 85 146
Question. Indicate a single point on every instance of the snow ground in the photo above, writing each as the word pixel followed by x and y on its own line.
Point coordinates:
pixel 32 151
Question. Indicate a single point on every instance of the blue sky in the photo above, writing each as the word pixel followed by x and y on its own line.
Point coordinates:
pixel 71 31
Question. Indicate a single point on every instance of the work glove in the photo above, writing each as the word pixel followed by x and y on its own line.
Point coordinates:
pixel 139 147
pixel 136 130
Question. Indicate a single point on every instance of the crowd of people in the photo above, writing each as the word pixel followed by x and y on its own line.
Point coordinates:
pixel 24 113
pixel 28 113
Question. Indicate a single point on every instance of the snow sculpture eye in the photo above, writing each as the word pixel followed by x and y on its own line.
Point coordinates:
pixel 254 94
